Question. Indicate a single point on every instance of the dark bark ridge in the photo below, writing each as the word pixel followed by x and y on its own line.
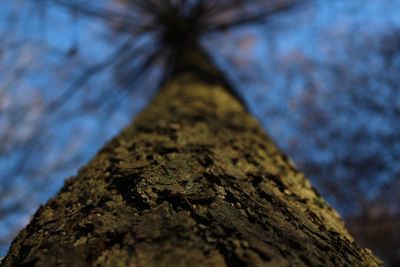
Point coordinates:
pixel 194 181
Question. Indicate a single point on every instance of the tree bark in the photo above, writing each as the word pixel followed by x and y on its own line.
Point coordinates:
pixel 193 181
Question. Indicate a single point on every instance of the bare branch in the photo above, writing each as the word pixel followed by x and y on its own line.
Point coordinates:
pixel 128 21
pixel 264 10
pixel 87 74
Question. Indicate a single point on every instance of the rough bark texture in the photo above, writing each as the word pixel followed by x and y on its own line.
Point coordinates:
pixel 194 181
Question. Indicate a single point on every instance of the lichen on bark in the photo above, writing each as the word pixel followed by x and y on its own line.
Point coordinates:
pixel 193 181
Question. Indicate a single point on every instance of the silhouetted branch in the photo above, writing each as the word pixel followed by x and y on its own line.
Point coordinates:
pixel 262 12
pixel 131 23
pixel 87 74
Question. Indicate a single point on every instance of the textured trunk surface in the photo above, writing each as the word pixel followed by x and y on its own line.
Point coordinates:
pixel 194 181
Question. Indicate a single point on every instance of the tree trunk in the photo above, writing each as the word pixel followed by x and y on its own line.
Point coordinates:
pixel 194 181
